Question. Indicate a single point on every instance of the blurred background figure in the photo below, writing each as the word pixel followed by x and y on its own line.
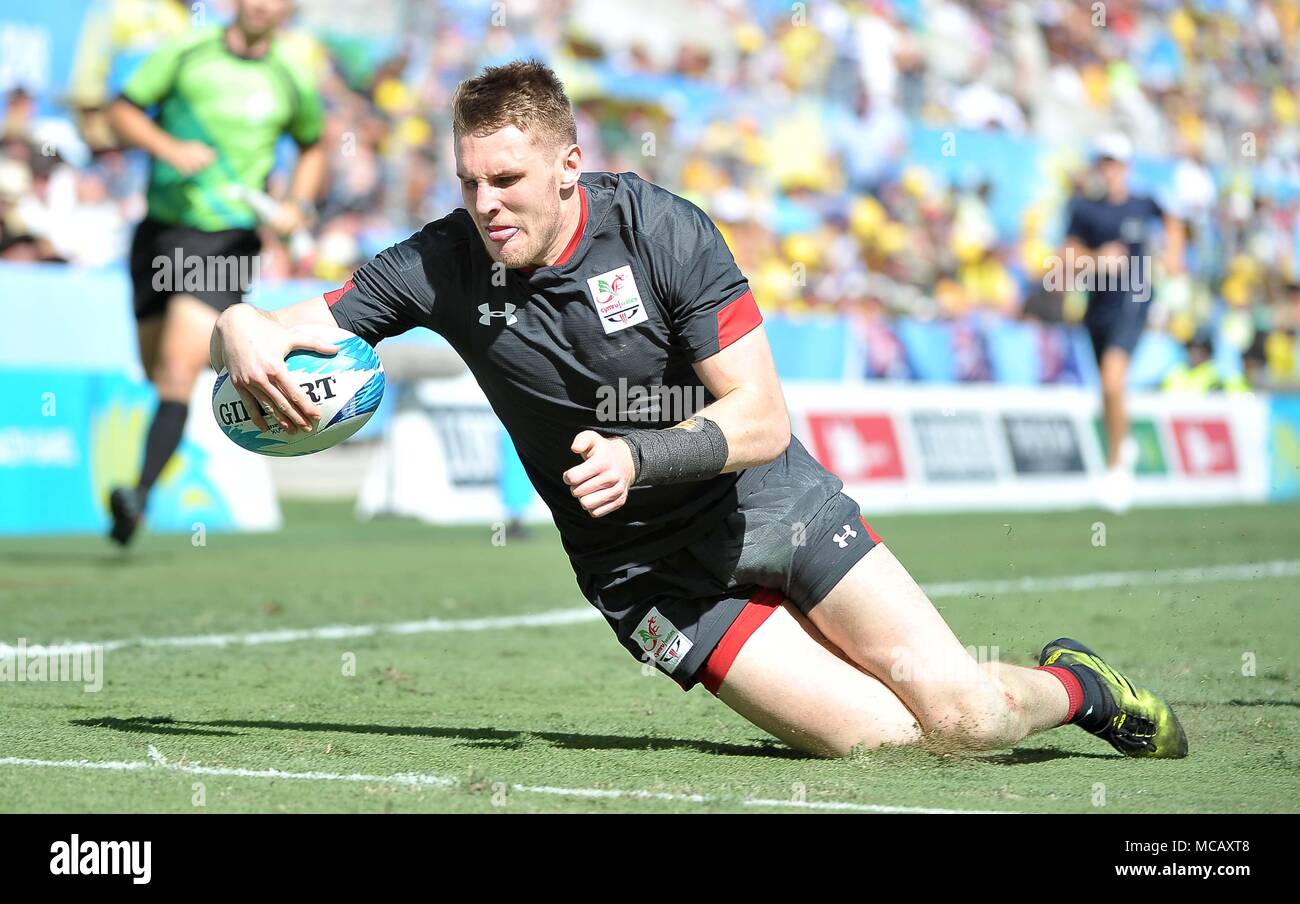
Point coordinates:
pixel 224 95
pixel 1107 256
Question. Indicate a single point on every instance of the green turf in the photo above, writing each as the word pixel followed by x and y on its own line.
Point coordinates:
pixel 564 706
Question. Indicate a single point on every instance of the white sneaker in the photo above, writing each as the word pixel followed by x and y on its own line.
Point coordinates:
pixel 1115 490
pixel 1128 454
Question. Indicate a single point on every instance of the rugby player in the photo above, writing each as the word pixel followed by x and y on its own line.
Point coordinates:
pixel 717 547
pixel 224 97
pixel 1112 231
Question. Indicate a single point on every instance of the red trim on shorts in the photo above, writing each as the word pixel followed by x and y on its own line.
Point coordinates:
pixel 335 294
pixel 715 668
pixel 737 319
pixel 1073 689
pixel 875 537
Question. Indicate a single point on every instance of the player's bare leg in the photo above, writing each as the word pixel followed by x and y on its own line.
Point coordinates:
pixel 791 682
pixel 149 334
pixel 876 665
pixel 182 348
pixel 1114 373
pixel 884 622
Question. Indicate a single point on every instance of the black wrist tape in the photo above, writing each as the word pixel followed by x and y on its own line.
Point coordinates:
pixel 696 451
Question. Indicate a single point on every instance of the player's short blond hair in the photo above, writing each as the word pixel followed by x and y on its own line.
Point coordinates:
pixel 525 94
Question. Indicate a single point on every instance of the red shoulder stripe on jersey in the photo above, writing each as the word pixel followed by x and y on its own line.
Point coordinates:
pixel 335 294
pixel 762 604
pixel 577 233
pixel 737 319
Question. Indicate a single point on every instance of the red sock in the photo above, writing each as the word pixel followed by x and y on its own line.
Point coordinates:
pixel 1073 689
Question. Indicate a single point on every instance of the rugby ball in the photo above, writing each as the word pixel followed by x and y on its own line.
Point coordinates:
pixel 347 388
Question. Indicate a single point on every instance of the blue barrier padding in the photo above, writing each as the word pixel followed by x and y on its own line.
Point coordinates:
pixel 808 348
pixel 929 350
pixel 1013 352
pixel 1155 354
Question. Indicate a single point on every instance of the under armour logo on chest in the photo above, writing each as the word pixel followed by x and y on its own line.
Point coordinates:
pixel 488 314
pixel 843 539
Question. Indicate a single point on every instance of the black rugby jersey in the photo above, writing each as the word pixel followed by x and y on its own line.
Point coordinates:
pixel 602 340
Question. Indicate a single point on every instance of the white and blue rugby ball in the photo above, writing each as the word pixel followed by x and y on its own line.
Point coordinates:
pixel 347 388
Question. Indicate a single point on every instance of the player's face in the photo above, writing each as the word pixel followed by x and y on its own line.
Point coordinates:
pixel 511 186
pixel 1114 174
pixel 257 17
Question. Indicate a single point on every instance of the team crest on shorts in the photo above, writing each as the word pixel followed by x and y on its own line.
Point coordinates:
pixel 618 302
pixel 660 641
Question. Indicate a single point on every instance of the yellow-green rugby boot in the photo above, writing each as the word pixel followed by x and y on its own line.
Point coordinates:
pixel 1133 719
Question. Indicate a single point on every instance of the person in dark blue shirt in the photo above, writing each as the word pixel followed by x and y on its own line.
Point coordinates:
pixel 1107 250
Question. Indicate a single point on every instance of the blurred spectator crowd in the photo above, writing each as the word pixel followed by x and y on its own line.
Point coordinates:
pixel 825 138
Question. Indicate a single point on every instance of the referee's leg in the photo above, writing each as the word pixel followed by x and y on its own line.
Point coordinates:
pixel 181 356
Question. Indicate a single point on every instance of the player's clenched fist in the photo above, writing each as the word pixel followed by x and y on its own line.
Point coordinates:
pixel 601 482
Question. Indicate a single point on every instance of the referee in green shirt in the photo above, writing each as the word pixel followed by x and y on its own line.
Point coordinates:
pixel 221 98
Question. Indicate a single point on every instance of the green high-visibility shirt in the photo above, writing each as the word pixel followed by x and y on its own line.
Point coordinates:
pixel 239 107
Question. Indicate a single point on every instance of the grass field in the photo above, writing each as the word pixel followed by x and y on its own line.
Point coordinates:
pixel 555 716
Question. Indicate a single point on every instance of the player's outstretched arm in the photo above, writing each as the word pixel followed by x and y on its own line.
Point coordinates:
pixel 251 345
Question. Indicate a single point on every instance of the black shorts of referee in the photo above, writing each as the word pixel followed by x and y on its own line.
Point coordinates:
pixel 214 267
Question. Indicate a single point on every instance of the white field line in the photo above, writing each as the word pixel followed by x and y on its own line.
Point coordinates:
pixel 156 761
pixel 1098 580
pixel 1252 571
pixel 325 632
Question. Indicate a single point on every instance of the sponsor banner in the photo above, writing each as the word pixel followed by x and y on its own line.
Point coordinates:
pixel 1043 443
pixel 441 461
pixel 38 44
pixel 954 445
pixel 470 437
pixel 858 447
pixel 1284 447
pixel 67 438
pixel 1151 455
pixel 1204 445
pixel 909 447
pixel 897 448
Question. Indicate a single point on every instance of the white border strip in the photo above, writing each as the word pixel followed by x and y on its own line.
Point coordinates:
pixel 157 761
pixel 1100 580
